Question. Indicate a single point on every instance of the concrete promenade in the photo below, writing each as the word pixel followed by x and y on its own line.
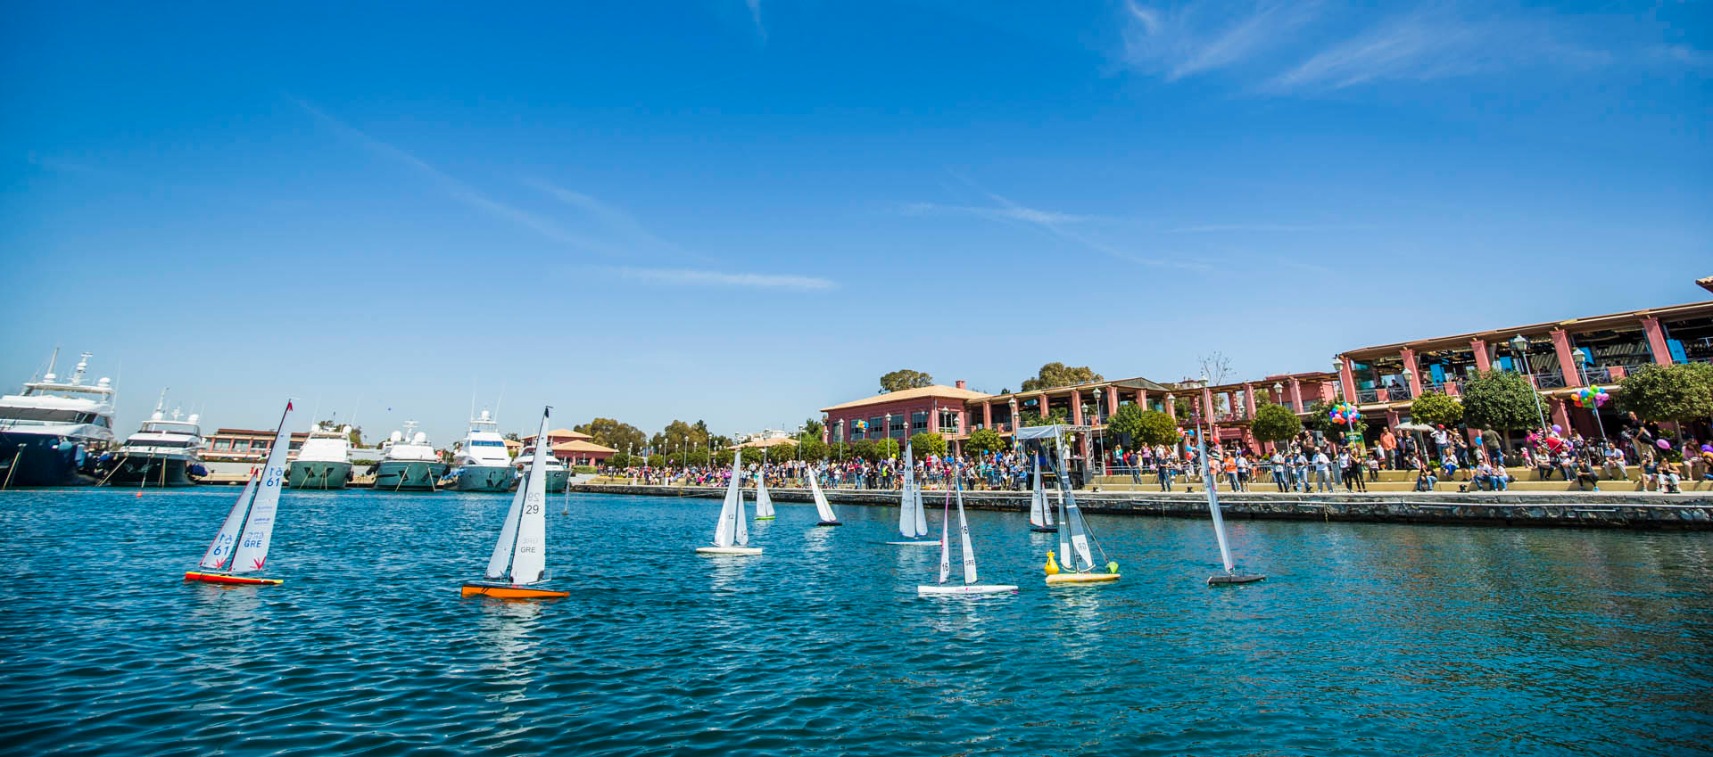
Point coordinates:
pixel 1692 511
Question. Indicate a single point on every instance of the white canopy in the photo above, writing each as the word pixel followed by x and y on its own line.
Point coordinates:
pixel 1052 431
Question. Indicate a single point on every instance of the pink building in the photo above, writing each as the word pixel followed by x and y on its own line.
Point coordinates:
pixel 899 415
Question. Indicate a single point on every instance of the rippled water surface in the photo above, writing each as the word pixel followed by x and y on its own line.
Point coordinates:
pixel 1365 639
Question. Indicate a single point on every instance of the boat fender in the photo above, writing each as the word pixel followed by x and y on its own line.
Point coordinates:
pixel 1112 567
pixel 1052 565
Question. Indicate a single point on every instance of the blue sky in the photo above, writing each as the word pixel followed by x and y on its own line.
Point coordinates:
pixel 746 211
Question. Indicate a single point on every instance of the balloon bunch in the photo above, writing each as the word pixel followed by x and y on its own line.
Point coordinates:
pixel 1590 396
pixel 1344 413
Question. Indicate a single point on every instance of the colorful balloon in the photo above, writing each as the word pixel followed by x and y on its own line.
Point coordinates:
pixel 1663 444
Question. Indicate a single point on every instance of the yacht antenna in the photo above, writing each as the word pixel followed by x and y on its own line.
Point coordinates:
pixel 161 404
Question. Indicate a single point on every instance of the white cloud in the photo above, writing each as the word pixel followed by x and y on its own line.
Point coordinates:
pixel 1202 37
pixel 755 15
pixel 1011 213
pixel 689 277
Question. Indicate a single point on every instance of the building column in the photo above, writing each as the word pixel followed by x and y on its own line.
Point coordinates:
pixel 987 415
pixel 1483 362
pixel 933 421
pixel 1171 404
pixel 1077 408
pixel 1559 416
pixel 1296 396
pixel 1041 405
pixel 1656 340
pixel 1409 357
pixel 1347 379
pixel 1111 401
pixel 1249 399
pixel 1142 398
pixel 1207 406
pixel 1566 358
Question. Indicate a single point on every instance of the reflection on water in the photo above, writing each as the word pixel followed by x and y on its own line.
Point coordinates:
pixel 1364 637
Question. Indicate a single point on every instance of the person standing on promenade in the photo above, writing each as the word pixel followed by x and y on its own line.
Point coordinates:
pixel 1322 471
pixel 1300 470
pixel 1166 471
pixel 1277 461
pixel 1389 446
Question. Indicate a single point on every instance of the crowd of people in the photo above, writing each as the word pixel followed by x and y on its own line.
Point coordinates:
pixel 1311 463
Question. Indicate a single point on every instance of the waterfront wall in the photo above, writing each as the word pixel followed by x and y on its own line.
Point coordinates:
pixel 1629 510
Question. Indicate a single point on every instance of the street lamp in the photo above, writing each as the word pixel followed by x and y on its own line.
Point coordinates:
pixel 1278 389
pixel 1520 345
pixel 1408 374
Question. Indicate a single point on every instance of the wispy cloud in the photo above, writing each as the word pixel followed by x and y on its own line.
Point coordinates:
pixel 614 221
pixel 1014 213
pixel 458 190
pixel 1216 228
pixel 1202 37
pixel 690 277
pixel 755 15
pixel 1420 46
pixel 1053 223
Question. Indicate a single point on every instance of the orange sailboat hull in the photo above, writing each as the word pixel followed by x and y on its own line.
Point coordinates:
pixel 230 580
pixel 506 591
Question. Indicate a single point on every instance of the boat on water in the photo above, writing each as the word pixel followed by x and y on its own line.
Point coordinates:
pixel 52 432
pixel 823 508
pixel 409 463
pixel 912 518
pixel 1231 576
pixel 518 567
pixel 482 463
pixel 763 500
pixel 971 586
pixel 731 533
pixel 1040 511
pixel 325 460
pixel 240 547
pixel 162 453
pixel 1074 564
pixel 558 476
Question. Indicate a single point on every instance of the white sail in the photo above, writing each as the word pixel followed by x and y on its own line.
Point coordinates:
pixel 921 512
pixel 731 512
pixel 1038 498
pixel 964 533
pixel 1084 559
pixel 763 500
pixel 502 557
pixel 945 547
pixel 822 507
pixel 1213 508
pixel 224 540
pixel 908 501
pixel 252 553
pixel 529 555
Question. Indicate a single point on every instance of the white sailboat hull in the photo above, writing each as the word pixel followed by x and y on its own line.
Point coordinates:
pixel 974 590
pixel 914 543
pixel 728 550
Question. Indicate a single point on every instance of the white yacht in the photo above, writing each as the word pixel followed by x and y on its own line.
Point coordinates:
pixel 558 476
pixel 50 433
pixel 408 462
pixel 162 453
pixel 325 460
pixel 483 465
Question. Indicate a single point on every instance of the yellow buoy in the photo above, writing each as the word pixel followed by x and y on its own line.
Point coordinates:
pixel 1052 565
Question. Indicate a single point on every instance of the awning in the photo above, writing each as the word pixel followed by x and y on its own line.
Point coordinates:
pixel 1052 431
pixel 1414 427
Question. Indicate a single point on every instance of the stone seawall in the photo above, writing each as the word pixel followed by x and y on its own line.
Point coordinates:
pixel 1692 511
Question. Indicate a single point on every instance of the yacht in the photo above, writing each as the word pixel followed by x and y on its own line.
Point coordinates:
pixel 325 460
pixel 162 453
pixel 558 476
pixel 50 434
pixel 483 465
pixel 408 462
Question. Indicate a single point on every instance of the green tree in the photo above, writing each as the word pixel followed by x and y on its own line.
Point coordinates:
pixel 985 440
pixel 611 433
pixel 680 434
pixel 904 378
pixel 1126 423
pixel 1275 423
pixel 510 436
pixel 885 449
pixel 928 443
pixel 1057 415
pixel 780 452
pixel 1320 418
pixel 1148 427
pixel 1679 392
pixel 1500 399
pixel 812 427
pixel 862 449
pixel 1059 374
pixel 1434 408
pixel 812 448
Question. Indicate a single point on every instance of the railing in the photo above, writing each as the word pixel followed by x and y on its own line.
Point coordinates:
pixel 1551 380
pixel 1600 375
pixel 1398 392
pixel 1364 396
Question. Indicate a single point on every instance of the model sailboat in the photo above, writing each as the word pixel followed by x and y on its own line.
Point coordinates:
pixel 241 545
pixel 1040 513
pixel 970 587
pixel 519 563
pixel 1074 541
pixel 912 518
pixel 1230 576
pixel 763 500
pixel 822 507
pixel 731 536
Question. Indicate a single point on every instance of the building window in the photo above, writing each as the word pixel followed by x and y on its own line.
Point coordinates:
pixel 949 421
pixel 222 445
pixel 898 426
pixel 877 428
pixel 918 421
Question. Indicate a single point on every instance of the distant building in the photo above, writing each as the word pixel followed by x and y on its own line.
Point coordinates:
pixel 898 415
pixel 243 444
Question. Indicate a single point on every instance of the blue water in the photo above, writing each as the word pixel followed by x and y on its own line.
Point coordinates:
pixel 1366 639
